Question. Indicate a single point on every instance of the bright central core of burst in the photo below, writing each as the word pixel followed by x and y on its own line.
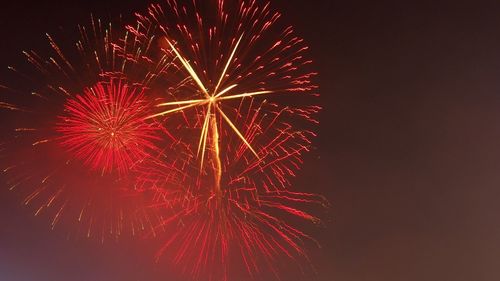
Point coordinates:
pixel 111 134
pixel 211 102
pixel 209 131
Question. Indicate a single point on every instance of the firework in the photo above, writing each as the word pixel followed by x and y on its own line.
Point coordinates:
pixel 242 113
pixel 106 127
pixel 246 88
pixel 76 128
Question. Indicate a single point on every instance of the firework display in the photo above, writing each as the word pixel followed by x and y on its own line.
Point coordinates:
pixel 188 125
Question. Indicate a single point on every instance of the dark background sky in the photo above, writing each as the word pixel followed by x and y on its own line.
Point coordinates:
pixel 409 144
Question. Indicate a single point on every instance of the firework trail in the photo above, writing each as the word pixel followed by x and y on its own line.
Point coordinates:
pixel 76 128
pixel 241 113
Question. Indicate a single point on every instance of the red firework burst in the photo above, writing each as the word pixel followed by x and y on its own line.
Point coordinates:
pixel 70 113
pixel 105 127
pixel 243 111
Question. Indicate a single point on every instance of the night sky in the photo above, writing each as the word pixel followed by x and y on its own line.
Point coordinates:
pixel 408 149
